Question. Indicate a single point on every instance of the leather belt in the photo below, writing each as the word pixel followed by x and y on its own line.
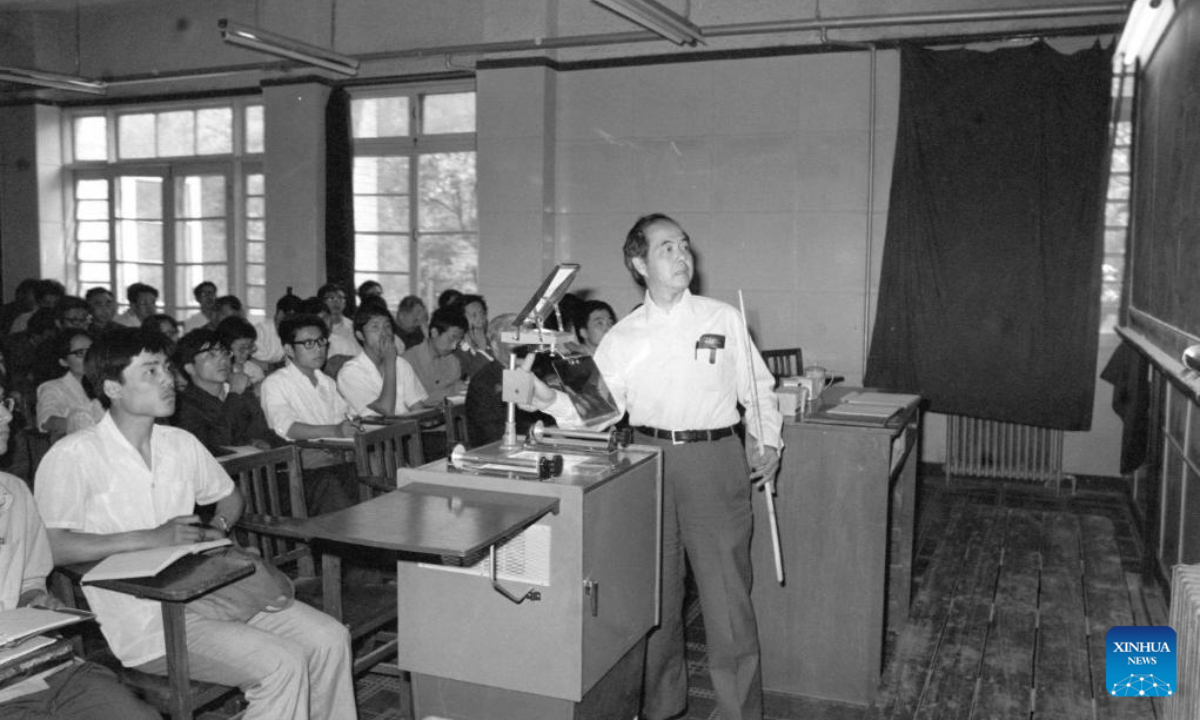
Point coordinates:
pixel 686 436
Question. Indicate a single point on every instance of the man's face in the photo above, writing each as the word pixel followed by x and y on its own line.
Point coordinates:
pixel 76 319
pixel 147 387
pixel 242 349
pixel 335 302
pixel 476 316
pixel 376 332
pixel 170 329
pixel 210 365
pixel 104 307
pixel 413 319
pixel 599 322
pixel 206 296
pixel 308 349
pixel 668 264
pixel 145 305
pixel 444 343
pixel 74 359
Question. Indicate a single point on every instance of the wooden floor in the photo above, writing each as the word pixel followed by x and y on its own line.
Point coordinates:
pixel 1014 589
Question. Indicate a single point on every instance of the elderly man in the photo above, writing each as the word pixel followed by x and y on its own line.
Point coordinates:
pixel 679 365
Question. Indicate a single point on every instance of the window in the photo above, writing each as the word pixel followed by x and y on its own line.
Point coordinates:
pixel 1116 208
pixel 169 196
pixel 415 214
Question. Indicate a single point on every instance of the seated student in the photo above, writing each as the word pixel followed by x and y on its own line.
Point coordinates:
pixel 46 294
pixel 473 352
pixel 592 322
pixel 70 690
pixel 487 412
pixel 411 319
pixel 226 306
pixel 370 288
pixel 165 324
pixel 240 337
pixel 129 483
pixel 220 410
pixel 433 360
pixel 71 312
pixel 334 298
pixel 63 406
pixel 143 302
pixel 268 349
pixel 379 381
pixel 303 403
pixel 205 294
pixel 103 306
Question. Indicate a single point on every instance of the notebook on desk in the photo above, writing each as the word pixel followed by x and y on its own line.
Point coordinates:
pixel 869 397
pixel 868 411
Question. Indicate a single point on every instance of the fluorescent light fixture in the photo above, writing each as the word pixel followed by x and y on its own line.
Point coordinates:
pixel 263 41
pixel 53 80
pixel 1148 20
pixel 661 20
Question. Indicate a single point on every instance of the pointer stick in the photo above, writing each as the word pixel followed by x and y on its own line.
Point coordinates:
pixel 769 485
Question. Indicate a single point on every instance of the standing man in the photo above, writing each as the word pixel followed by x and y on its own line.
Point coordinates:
pixel 678 365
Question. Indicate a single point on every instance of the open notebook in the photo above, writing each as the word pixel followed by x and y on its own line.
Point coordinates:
pixel 146 563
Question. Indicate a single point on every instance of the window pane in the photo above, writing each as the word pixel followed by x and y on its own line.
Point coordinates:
pixel 135 136
pixel 254 207
pixel 381 175
pixel 92 251
pixel 129 273
pixel 214 131
pixel 94 273
pixel 381 214
pixel 256 275
pixel 92 210
pixel 373 253
pixel 254 184
pixel 254 128
pixel 139 241
pixel 447 261
pixel 447 192
pixel 450 113
pixel 176 133
pixel 91 189
pixel 140 197
pixel 256 252
pixel 256 230
pixel 189 276
pixel 199 241
pixel 379 117
pixel 200 196
pixel 91 137
pixel 92 231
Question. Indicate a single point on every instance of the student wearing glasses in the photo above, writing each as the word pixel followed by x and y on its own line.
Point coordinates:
pixel 219 412
pixel 302 403
pixel 63 406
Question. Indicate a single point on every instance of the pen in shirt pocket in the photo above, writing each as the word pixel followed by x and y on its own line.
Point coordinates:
pixel 711 342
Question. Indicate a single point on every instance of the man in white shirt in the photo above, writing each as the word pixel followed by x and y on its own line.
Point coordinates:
pixel 205 294
pixel 302 403
pixel 379 381
pixel 680 364
pixel 143 302
pixel 268 349
pixel 62 404
pixel 130 483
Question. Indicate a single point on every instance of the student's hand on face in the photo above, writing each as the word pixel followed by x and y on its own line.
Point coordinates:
pixel 387 347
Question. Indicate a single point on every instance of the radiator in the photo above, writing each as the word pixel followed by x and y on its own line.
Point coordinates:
pixel 1185 620
pixel 993 449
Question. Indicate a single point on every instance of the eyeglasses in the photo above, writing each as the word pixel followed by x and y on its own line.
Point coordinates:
pixel 79 353
pixel 312 343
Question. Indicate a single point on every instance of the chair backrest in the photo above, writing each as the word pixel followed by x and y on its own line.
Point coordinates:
pixel 271 484
pixel 456 425
pixel 383 450
pixel 785 362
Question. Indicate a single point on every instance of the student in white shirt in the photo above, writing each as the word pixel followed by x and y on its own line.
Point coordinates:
pixel 63 405
pixel 379 381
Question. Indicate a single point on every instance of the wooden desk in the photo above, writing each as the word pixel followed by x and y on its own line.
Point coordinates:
pixel 187 578
pixel 845 503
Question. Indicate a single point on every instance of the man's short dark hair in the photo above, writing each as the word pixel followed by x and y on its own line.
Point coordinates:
pixel 329 289
pixel 465 300
pixel 46 287
pixel 233 302
pixel 112 352
pixel 62 341
pixel 155 321
pixel 288 304
pixel 448 297
pixel 67 303
pixel 408 303
pixel 370 310
pixel 133 291
pixel 98 290
pixel 445 318
pixel 195 342
pixel 636 244
pixel 312 306
pixel 293 324
pixel 364 290
pixel 235 328
pixel 200 288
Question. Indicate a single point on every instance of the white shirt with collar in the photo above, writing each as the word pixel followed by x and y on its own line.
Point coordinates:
pixel 654 369
pixel 62 397
pixel 360 382
pixel 95 481
pixel 288 397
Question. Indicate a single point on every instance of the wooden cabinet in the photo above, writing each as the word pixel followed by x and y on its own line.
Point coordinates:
pixel 845 504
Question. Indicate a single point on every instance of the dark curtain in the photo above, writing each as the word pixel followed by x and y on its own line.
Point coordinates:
pixel 990 286
pixel 339 192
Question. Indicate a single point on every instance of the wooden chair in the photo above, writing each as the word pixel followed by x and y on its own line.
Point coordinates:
pixel 786 362
pixel 381 451
pixel 271 484
pixel 456 425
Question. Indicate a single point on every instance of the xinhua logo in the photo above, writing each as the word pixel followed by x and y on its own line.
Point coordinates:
pixel 1140 661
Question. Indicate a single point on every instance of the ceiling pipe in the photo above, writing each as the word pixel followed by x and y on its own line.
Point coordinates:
pixel 819 25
